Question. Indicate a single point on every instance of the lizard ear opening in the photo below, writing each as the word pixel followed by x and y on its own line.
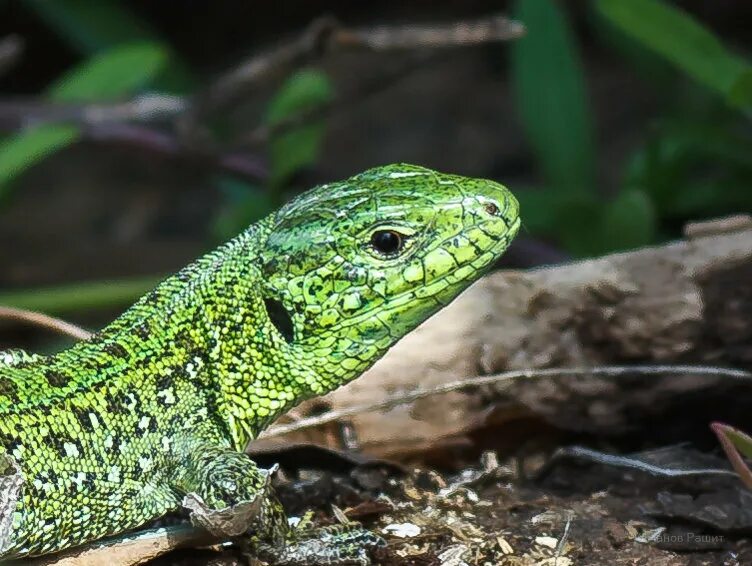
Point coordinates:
pixel 280 318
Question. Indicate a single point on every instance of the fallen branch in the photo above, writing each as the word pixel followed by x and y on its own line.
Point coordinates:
pixel 326 36
pixel 498 379
pixel 22 113
pixel 682 303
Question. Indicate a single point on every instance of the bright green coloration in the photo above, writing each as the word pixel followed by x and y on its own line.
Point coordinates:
pixel 117 430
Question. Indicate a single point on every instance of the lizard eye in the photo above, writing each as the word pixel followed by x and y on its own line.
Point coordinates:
pixel 387 242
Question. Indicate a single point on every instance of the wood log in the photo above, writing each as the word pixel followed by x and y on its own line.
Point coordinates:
pixel 688 301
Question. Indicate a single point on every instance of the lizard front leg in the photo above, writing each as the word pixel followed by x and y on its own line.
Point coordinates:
pixel 229 495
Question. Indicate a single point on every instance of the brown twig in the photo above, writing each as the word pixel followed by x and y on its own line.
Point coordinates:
pixel 133 122
pixel 166 144
pixel 499 378
pixel 325 36
pixel 487 29
pixel 45 321
pixel 11 48
pixel 370 88
pixel 22 113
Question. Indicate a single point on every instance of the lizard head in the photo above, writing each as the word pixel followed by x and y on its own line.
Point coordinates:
pixel 351 267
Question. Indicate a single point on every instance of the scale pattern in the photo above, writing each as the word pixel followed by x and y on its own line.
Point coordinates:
pixel 117 430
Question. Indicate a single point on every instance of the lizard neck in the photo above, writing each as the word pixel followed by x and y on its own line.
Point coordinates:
pixel 210 323
pixel 253 372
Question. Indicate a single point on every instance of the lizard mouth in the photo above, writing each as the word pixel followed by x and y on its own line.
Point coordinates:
pixel 465 274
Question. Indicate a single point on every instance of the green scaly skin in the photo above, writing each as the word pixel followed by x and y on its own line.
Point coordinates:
pixel 157 408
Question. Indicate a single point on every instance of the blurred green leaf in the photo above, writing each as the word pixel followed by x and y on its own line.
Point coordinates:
pixel 577 226
pixel 91 26
pixel 694 169
pixel 740 93
pixel 94 26
pixel 655 71
pixel 550 95
pixel 628 222
pixel 539 206
pixel 244 204
pixel 21 151
pixel 80 296
pixel 686 43
pixel 299 146
pixel 708 198
pixel 113 73
pixel 659 167
pixel 587 227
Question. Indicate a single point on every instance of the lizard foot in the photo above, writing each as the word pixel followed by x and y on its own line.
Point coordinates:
pixel 228 495
pixel 336 545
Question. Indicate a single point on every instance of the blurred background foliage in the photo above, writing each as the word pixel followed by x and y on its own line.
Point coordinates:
pixel 663 139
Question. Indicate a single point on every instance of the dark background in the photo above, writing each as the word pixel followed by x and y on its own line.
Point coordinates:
pixel 663 147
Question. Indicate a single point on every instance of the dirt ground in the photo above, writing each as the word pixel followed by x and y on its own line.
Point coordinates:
pixel 520 513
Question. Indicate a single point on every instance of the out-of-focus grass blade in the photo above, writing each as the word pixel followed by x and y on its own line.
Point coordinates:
pixel 112 73
pixel 666 167
pixel 244 204
pixel 540 209
pixel 683 41
pixel 96 25
pixel 298 147
pixel 21 151
pixel 550 96
pixel 91 26
pixel 655 71
pixel 576 224
pixel 735 444
pixel 79 296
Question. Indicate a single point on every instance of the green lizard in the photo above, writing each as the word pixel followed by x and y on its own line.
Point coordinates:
pixel 152 414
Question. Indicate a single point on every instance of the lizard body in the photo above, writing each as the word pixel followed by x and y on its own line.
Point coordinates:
pixel 119 429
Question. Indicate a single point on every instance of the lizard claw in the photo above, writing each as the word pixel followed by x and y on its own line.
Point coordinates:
pixel 231 520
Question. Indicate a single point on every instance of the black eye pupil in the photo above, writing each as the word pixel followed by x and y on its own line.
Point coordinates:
pixel 387 241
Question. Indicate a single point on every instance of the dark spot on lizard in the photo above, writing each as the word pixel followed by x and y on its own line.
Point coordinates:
pixel 89 481
pixel 58 442
pixel 82 416
pixel 164 380
pixel 143 331
pixel 116 350
pixel 56 378
pixel 116 402
pixel 8 389
pixel 152 298
pixel 10 443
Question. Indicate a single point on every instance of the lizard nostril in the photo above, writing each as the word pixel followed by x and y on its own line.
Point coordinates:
pixel 491 208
